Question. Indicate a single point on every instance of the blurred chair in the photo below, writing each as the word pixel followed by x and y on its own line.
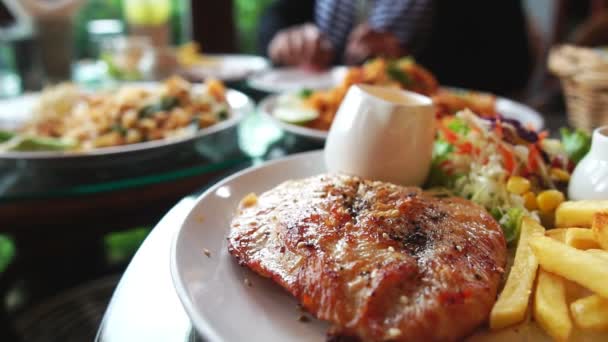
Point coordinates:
pixel 213 25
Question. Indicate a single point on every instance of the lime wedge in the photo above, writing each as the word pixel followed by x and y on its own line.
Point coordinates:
pixel 33 143
pixel 295 115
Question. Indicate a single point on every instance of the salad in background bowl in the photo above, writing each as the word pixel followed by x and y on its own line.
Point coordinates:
pixel 67 119
pixel 311 112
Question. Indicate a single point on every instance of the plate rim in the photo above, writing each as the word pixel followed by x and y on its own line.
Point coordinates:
pixel 265 104
pixel 254 83
pixel 198 322
pixel 236 117
pixel 263 62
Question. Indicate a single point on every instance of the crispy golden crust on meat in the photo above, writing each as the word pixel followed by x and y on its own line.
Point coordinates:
pixel 378 261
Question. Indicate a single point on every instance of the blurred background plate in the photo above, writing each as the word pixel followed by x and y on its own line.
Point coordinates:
pixel 516 110
pixel 508 108
pixel 51 173
pixel 15 112
pixel 281 80
pixel 511 109
pixel 228 68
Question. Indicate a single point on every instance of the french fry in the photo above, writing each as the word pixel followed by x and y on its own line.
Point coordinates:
pixel 550 308
pixel 590 312
pixel 580 238
pixel 578 213
pixel 598 253
pixel 512 304
pixel 600 229
pixel 585 269
pixel 574 291
pixel 558 234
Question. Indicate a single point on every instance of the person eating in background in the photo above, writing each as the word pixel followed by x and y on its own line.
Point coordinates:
pixel 358 29
pixel 474 44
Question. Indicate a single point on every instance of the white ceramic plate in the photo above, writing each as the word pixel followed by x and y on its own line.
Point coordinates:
pixel 227 67
pixel 508 108
pixel 213 290
pixel 282 80
pixel 15 112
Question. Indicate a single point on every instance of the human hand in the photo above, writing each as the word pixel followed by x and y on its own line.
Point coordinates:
pixel 365 42
pixel 303 45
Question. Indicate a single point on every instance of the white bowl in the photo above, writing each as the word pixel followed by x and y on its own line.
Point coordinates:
pixel 590 177
pixel 382 133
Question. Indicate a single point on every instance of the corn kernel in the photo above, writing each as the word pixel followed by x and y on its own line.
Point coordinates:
pixel 518 185
pixel 530 200
pixel 249 200
pixel 559 174
pixel 548 200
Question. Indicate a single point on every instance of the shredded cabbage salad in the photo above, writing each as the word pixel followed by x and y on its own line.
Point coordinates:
pixel 477 157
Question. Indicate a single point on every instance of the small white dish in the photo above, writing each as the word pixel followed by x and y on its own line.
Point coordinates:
pixel 382 133
pixel 590 177
pixel 280 80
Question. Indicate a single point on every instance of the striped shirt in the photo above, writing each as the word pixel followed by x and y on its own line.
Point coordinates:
pixel 409 20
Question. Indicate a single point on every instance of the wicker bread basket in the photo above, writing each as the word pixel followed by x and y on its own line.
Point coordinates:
pixel 584 77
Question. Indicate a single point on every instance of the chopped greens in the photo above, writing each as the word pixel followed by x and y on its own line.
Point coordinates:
pixel 458 126
pixel 165 104
pixel 395 73
pixel 576 143
pixel 30 143
pixel 223 114
pixel 305 93
pixel 5 136
pixel 119 128
pixel 118 73
pixel 510 221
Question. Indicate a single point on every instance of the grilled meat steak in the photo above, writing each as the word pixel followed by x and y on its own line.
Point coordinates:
pixel 376 260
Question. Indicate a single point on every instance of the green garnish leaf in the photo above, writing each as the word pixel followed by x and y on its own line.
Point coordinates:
pixel 305 93
pixel 406 60
pixel 165 104
pixel 168 102
pixel 29 143
pixel 396 74
pixel 6 136
pixel 118 73
pixel 458 126
pixel 223 114
pixel 119 128
pixel 441 150
pixel 510 221
pixel 437 176
pixel 576 143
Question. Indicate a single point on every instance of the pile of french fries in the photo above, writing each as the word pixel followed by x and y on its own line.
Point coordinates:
pixel 562 272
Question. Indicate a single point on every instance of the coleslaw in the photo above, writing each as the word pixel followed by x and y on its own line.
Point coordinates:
pixel 509 169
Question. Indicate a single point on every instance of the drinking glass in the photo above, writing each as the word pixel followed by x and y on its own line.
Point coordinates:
pixel 10 82
pixel 129 58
